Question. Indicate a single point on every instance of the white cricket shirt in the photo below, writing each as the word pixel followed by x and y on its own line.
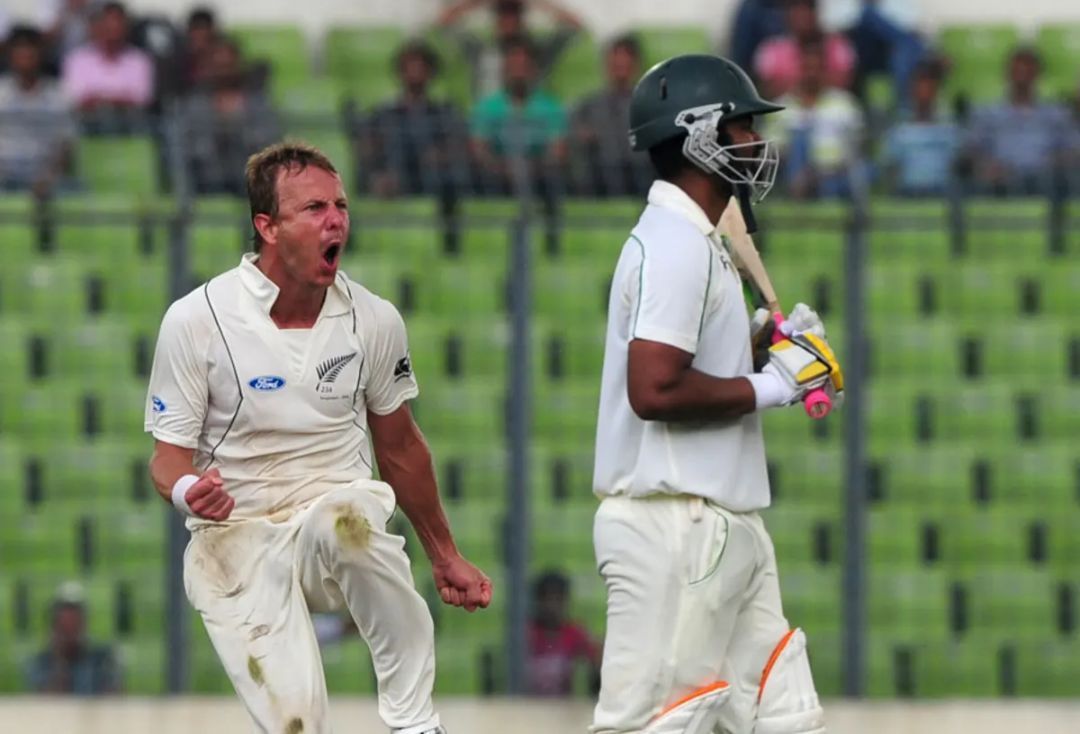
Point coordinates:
pixel 675 283
pixel 281 413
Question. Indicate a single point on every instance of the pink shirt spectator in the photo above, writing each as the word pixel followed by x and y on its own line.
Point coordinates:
pixel 89 75
pixel 776 63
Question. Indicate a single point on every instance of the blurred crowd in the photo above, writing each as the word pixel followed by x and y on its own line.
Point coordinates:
pixel 91 68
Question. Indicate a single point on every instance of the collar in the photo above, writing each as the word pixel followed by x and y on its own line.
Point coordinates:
pixel 669 196
pixel 265 291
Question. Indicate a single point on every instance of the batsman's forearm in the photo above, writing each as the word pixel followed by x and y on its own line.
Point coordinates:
pixel 696 396
pixel 408 469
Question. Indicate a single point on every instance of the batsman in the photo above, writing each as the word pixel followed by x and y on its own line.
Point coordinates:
pixel 697 641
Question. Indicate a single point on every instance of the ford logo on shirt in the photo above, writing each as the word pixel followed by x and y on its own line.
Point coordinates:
pixel 267 383
pixel 158 404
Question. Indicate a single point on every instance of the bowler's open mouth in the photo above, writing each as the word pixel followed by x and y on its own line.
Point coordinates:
pixel 330 255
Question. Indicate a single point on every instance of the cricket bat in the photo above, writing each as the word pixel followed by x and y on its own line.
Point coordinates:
pixel 817 402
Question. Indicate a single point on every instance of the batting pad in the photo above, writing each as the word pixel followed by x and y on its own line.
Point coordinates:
pixel 787 701
pixel 695 713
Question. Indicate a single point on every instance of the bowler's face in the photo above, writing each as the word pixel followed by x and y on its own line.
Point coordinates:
pixel 312 225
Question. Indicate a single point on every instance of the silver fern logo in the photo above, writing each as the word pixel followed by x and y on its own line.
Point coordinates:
pixel 331 369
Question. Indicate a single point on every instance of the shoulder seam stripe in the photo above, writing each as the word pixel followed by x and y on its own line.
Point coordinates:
pixel 641 284
pixel 708 285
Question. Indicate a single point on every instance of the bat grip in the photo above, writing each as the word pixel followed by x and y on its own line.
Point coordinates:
pixel 817 402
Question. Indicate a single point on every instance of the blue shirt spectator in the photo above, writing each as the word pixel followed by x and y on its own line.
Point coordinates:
pixel 1019 145
pixel 921 150
pixel 71 664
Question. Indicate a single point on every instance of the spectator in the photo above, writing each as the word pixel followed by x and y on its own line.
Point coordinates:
pixel 883 35
pixel 108 74
pixel 67 24
pixel 415 145
pixel 71 664
pixel 520 124
pixel 820 133
pixel 1018 146
pixel 755 22
pixel 485 57
pixel 199 38
pixel 921 151
pixel 776 63
pixel 556 644
pixel 227 122
pixel 37 129
pixel 603 162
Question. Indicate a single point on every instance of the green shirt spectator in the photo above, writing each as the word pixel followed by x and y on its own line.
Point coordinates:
pixel 509 126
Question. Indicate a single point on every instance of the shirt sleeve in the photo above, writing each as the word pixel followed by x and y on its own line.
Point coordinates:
pixel 670 296
pixel 179 387
pixel 390 378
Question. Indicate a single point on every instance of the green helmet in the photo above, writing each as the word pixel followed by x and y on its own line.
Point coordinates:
pixel 692 95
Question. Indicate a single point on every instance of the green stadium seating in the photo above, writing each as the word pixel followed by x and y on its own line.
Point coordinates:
pixel 805 534
pixel 901 290
pixel 1059 284
pixel 448 348
pixel 808 477
pixel 931 348
pixel 362 59
pixel 484 229
pixel 930 477
pixel 454 81
pixel 44 412
pixel 567 292
pixel 578 71
pixel 327 137
pixel 956 669
pixel 1006 230
pixel 118 165
pixel 120 408
pixel 347 665
pixel 19 236
pixel 978 54
pixel 98 351
pixel 464 291
pixel 472 408
pixel 793 232
pixel 282 47
pixel 905 604
pixel 310 98
pixel 470 471
pixel 908 232
pixel 1059 45
pixel 568 350
pixel 1048 668
pixel 659 43
pixel 87 476
pixel 1018 604
pixel 595 231
pixel 1023 349
pixel 564 415
pixel 49 290
pixel 408 230
pixel 975 540
pixel 560 476
pixel 16 356
pixel 1040 476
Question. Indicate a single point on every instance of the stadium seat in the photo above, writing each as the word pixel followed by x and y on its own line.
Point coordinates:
pixel 122 165
pixel 906 604
pixel 56 411
pixel 595 231
pixel 216 244
pixel 96 351
pixel 450 348
pixel 19 233
pixel 982 290
pixel 562 538
pixel 464 290
pixel 406 229
pixel 578 71
pixel 1042 476
pixel 1016 604
pixel 1059 45
pixel 362 60
pixel 564 415
pixel 468 408
pixel 660 43
pixel 805 534
pixel 561 476
pixel 793 232
pixel 975 540
pixel 1032 349
pixel 327 136
pixel 930 348
pixel 465 667
pixel 484 229
pixel 120 408
pixel 454 81
pixel 86 476
pixel 47 546
pixel 51 290
pixel 470 471
pixel 347 665
pixel 138 292
pixel 282 47
pixel 807 477
pixel 811 595
pixel 568 350
pixel 903 231
pixel 1059 284
pixel 311 98
pixel 566 292
pixel 931 477
pixel 1006 230
pixel 977 54
pixel 1048 668
pixel 987 412
pixel 16 358
pixel 902 291
pixel 479 529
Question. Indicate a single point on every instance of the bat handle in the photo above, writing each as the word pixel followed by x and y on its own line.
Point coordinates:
pixel 817 402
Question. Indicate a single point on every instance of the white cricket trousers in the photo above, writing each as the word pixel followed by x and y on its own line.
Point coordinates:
pixel 692 598
pixel 255 583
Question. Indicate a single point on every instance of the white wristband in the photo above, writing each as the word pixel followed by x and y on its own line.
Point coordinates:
pixel 769 390
pixel 183 484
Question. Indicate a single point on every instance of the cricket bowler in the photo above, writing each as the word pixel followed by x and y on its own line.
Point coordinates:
pixel 696 637
pixel 274 387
